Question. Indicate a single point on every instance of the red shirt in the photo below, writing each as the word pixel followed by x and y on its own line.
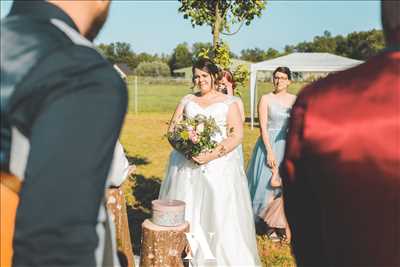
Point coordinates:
pixel 342 167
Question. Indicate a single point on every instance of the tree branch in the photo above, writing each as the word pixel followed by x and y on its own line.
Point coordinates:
pixel 233 33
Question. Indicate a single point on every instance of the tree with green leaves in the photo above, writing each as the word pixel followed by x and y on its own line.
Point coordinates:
pixel 357 45
pixel 253 54
pixel 363 45
pixel 220 55
pixel 108 51
pixel 181 57
pixel 221 15
pixel 153 69
pixel 198 47
pixel 118 52
pixel 288 49
pixel 123 51
pixel 272 53
pixel 257 54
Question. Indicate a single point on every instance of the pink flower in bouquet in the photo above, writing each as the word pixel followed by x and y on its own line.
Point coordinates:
pixel 200 128
pixel 194 137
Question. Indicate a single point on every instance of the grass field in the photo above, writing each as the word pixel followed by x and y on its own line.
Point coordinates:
pixel 142 138
pixel 163 97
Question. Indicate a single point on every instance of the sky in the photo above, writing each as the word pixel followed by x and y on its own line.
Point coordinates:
pixel 157 26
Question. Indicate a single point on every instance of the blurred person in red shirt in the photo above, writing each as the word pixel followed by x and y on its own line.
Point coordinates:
pixel 341 171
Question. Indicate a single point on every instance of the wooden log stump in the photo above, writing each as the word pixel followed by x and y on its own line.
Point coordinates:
pixel 117 207
pixel 162 246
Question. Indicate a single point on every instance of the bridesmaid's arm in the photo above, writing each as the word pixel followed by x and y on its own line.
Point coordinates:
pixel 234 130
pixel 263 117
pixel 239 103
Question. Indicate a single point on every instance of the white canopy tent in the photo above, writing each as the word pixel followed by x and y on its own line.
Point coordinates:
pixel 298 62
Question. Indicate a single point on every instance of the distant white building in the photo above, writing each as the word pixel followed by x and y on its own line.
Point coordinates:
pixel 304 66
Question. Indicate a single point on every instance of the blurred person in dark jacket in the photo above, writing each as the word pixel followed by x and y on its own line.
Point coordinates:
pixel 62 107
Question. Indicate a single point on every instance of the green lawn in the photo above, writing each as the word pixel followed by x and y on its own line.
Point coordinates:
pixel 142 138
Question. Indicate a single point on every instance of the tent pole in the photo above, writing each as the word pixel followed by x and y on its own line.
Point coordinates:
pixel 252 88
pixel 136 95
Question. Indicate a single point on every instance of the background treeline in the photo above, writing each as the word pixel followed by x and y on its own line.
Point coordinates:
pixel 357 45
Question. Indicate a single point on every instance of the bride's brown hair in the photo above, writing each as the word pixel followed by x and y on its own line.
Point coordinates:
pixel 208 66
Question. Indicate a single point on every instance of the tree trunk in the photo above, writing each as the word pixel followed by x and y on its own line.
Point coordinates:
pixel 163 246
pixel 216 26
pixel 117 207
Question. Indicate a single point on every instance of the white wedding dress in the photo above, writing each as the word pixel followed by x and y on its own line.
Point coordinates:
pixel 216 196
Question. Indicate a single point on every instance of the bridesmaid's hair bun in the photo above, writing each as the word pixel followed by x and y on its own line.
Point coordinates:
pixel 229 77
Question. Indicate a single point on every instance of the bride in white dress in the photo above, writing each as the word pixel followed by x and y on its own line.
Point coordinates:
pixel 215 189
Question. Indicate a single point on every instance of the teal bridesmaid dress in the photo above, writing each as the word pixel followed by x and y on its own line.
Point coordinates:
pixel 258 173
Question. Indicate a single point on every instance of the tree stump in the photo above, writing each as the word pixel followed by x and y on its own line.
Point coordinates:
pixel 162 246
pixel 117 206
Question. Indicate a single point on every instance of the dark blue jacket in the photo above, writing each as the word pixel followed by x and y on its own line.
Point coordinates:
pixel 62 107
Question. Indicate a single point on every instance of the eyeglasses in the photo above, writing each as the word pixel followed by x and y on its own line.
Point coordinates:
pixel 280 78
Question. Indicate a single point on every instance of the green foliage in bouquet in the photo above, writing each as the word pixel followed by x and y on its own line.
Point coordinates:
pixel 193 136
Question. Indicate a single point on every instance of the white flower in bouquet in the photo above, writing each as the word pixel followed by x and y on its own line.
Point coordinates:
pixel 200 128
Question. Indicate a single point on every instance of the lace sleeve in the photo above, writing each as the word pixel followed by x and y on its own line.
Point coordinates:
pixel 230 100
pixel 186 99
pixel 237 99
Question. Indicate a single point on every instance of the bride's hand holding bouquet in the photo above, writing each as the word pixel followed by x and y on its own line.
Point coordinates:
pixel 193 138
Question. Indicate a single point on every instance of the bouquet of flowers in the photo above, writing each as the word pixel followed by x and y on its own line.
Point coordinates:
pixel 192 136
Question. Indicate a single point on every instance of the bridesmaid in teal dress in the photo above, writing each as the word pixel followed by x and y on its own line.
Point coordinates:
pixel 273 111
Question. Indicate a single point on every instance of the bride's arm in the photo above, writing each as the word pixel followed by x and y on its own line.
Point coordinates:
pixel 178 114
pixel 177 117
pixel 234 137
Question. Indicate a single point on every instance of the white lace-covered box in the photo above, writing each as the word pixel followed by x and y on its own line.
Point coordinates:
pixel 168 212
